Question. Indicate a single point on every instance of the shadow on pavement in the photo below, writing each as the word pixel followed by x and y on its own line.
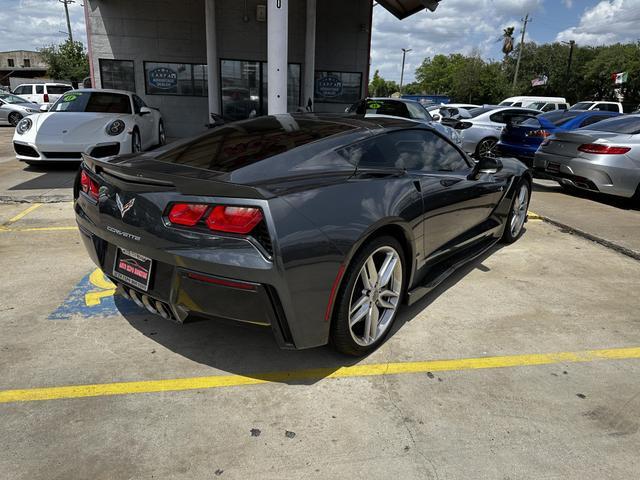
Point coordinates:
pixel 613 201
pixel 56 175
pixel 251 351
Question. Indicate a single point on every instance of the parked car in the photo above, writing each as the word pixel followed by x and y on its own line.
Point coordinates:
pixel 401 108
pixel 522 135
pixel 42 93
pixel 527 100
pixel 102 123
pixel 480 132
pixel 319 229
pixel 14 108
pixel 547 106
pixel 602 106
pixel 449 110
pixel 604 157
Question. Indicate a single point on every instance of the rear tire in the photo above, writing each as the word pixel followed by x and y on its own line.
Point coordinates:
pixel 162 136
pixel 517 213
pixel 14 118
pixel 486 148
pixel 368 300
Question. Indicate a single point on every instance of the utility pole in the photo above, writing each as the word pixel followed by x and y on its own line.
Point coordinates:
pixel 572 43
pixel 404 54
pixel 66 12
pixel 525 20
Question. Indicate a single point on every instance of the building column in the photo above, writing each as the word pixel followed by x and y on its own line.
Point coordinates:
pixel 277 37
pixel 309 55
pixel 213 70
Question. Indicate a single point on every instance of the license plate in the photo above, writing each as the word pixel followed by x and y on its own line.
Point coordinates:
pixel 553 167
pixel 132 268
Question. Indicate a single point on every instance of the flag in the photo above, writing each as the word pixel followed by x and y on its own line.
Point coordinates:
pixel 539 81
pixel 619 78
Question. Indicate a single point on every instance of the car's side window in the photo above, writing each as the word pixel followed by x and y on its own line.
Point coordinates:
pixel 413 150
pixel 138 103
pixel 548 107
pixel 39 89
pixel 593 119
pixel 497 117
pixel 418 112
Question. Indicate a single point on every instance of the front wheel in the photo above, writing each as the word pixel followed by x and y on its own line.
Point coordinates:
pixel 136 142
pixel 14 118
pixel 162 136
pixel 518 213
pixel 371 292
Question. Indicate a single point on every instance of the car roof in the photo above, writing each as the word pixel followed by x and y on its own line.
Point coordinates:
pixel 104 90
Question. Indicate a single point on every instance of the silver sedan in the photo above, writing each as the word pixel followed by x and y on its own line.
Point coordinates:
pixel 480 132
pixel 605 160
pixel 13 108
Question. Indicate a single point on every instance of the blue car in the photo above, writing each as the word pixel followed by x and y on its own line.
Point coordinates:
pixel 523 134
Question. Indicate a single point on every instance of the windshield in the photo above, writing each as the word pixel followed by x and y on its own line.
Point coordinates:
pixel 629 125
pixel 582 106
pixel 101 102
pixel 474 112
pixel 8 98
pixel 560 117
pixel 506 104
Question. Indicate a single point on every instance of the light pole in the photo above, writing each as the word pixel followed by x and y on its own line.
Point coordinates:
pixel 404 54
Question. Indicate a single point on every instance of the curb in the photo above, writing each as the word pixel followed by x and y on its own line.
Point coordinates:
pixel 581 233
pixel 62 198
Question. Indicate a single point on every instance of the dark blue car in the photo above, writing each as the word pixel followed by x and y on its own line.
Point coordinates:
pixel 523 134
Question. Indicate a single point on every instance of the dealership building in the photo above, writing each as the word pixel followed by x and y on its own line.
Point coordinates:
pixel 235 58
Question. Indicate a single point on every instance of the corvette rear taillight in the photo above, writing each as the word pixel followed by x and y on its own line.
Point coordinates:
pixel 538 133
pixel 600 149
pixel 219 218
pixel 187 214
pixel 88 185
pixel 233 219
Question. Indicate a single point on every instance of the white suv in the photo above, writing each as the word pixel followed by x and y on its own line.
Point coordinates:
pixel 602 106
pixel 42 93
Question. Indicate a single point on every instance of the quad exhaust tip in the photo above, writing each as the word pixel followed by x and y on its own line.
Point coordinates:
pixel 151 305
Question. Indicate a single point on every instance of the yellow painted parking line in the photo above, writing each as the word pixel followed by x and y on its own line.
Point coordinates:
pixel 38 229
pixel 201 383
pixel 26 211
pixel 533 216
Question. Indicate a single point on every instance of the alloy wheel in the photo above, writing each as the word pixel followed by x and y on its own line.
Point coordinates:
pixel 14 118
pixel 520 208
pixel 486 148
pixel 162 135
pixel 375 296
pixel 137 145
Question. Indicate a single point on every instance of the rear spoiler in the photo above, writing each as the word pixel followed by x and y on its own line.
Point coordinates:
pixel 186 180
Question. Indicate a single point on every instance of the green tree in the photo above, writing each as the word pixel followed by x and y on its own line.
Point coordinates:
pixel 67 61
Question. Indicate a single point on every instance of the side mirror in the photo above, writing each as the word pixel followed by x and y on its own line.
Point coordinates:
pixel 145 111
pixel 486 165
pixel 436 117
pixel 45 107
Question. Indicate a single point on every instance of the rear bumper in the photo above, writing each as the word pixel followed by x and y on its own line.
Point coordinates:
pixel 186 282
pixel 591 175
pixel 522 153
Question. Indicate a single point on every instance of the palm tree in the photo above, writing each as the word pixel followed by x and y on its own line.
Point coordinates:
pixel 507 41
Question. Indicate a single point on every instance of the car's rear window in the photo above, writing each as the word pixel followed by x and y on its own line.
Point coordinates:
pixel 560 117
pixel 475 112
pixel 382 107
pixel 228 148
pixel 97 102
pixel 626 125
pixel 58 89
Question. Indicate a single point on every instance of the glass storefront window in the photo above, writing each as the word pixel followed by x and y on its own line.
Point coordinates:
pixel 337 87
pixel 244 88
pixel 117 74
pixel 175 79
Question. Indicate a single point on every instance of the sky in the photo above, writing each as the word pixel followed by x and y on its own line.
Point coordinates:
pixel 463 26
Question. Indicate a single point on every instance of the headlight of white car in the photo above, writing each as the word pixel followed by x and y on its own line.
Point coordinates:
pixel 24 125
pixel 115 128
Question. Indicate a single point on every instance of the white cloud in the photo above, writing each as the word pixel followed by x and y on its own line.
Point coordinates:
pixel 568 3
pixel 463 26
pixel 32 24
pixel 609 21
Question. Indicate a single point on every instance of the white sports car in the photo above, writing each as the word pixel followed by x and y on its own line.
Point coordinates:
pixel 100 123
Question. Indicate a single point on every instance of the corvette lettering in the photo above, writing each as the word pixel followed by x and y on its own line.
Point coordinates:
pixel 128 235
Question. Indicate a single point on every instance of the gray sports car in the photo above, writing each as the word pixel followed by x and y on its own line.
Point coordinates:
pixel 317 226
pixel 14 108
pixel 604 157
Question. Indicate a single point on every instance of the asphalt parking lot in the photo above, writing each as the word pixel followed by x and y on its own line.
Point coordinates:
pixel 523 365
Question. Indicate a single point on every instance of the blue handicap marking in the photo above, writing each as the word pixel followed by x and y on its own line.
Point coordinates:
pixel 93 296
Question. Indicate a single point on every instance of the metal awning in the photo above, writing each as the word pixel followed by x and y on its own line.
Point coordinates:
pixel 405 8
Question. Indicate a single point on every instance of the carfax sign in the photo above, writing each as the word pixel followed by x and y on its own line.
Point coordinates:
pixel 328 86
pixel 163 78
